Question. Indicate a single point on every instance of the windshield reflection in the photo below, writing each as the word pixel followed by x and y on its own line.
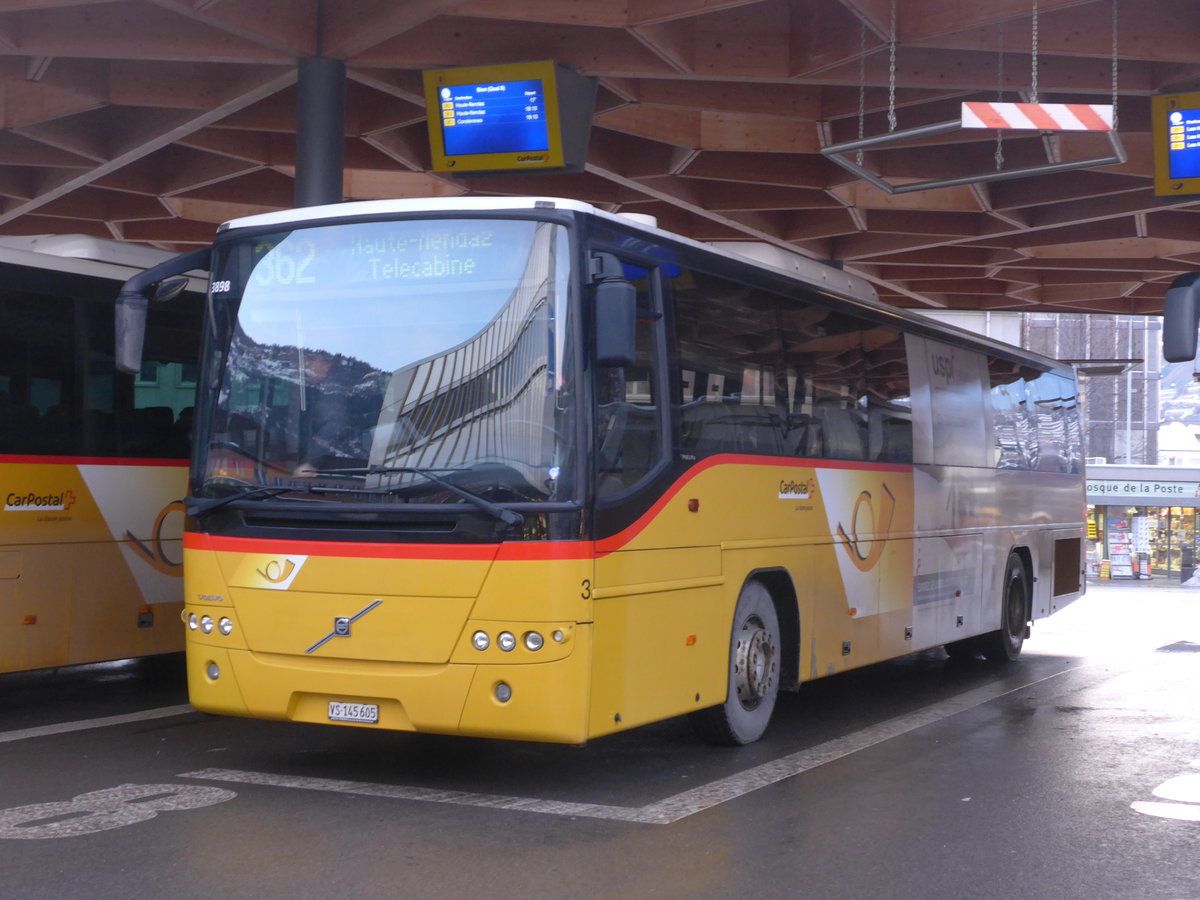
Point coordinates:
pixel 367 354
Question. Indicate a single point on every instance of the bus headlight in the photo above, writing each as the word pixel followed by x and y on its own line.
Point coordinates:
pixel 480 640
pixel 506 640
pixel 206 624
pixel 225 626
pixel 534 641
pixel 193 621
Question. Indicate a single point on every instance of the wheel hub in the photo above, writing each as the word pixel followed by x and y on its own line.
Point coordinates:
pixel 754 667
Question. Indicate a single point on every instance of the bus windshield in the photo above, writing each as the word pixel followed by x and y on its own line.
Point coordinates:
pixel 391 361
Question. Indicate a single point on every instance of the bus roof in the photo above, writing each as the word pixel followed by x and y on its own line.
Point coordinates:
pixel 762 254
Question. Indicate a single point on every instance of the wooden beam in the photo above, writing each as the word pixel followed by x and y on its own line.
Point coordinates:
pixel 705 130
pixel 820 223
pixel 449 41
pixel 287 26
pixel 135 31
pixel 151 143
pixel 948 224
pixel 1158 31
pixel 783 169
pixel 643 12
pixel 793 101
pixel 352 28
pixel 636 157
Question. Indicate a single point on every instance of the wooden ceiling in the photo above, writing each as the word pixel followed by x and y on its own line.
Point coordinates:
pixel 155 120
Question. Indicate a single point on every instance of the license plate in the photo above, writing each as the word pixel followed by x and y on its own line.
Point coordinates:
pixel 353 712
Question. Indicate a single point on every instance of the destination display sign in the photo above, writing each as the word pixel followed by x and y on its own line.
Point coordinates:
pixel 369 253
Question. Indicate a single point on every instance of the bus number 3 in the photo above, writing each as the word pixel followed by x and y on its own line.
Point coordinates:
pixel 103 810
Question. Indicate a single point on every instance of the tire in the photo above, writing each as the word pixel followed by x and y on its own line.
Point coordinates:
pixel 1005 644
pixel 753 683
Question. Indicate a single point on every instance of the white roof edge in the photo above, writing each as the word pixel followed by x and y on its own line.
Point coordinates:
pixel 762 254
pixel 384 207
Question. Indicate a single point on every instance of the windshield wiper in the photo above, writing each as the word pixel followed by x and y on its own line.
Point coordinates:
pixel 509 516
pixel 202 506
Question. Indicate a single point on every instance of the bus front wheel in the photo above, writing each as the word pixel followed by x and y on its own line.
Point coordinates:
pixel 1005 644
pixel 753 673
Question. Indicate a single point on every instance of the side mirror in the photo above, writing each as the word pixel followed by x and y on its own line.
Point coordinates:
pixel 1181 316
pixel 169 289
pixel 616 313
pixel 160 282
pixel 616 323
pixel 131 331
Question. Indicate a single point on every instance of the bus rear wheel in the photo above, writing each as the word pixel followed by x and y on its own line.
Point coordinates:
pixel 1005 644
pixel 753 681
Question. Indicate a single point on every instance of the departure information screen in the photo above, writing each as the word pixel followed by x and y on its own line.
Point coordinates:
pixel 494 117
pixel 1183 148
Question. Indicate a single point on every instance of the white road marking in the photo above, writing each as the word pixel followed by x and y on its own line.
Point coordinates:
pixel 1184 789
pixel 662 812
pixel 145 715
pixel 1179 811
pixel 104 810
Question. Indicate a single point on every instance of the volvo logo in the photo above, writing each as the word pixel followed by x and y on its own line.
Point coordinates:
pixel 341 626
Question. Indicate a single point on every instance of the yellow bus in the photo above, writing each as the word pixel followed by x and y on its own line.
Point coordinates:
pixel 93 465
pixel 522 468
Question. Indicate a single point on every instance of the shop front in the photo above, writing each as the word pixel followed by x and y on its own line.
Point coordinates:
pixel 1142 521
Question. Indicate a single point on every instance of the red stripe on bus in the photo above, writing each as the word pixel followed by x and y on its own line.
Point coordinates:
pixel 352 549
pixel 26 459
pixel 510 551
pixel 619 540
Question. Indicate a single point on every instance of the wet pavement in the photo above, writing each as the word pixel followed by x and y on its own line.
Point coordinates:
pixel 1073 773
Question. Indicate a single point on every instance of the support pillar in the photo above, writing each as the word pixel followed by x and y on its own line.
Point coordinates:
pixel 320 130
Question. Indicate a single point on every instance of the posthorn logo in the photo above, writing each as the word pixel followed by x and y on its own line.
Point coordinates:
pixel 34 502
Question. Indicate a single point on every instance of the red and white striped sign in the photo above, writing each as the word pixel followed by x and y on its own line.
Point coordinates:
pixel 1038 116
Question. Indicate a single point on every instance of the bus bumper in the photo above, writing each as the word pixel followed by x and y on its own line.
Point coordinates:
pixel 536 702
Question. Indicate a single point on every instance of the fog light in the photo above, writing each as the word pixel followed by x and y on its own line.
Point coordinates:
pixel 534 641
pixel 225 626
pixel 503 692
pixel 193 621
pixel 480 640
pixel 206 624
pixel 213 671
pixel 506 640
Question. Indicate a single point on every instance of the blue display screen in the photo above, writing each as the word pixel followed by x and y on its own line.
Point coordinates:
pixel 1183 148
pixel 494 117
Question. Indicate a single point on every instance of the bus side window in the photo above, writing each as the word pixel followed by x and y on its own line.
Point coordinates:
pixel 732 385
pixel 1014 438
pixel 628 426
pixel 1056 417
pixel 888 397
pixel 828 414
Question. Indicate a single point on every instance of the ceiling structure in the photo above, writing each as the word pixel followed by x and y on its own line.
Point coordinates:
pixel 155 120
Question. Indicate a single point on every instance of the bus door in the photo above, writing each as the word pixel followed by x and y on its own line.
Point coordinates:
pixel 656 583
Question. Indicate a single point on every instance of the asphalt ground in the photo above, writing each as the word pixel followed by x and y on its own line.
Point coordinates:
pixel 1072 773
